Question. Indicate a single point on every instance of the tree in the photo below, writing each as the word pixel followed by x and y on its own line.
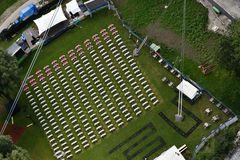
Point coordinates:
pixel 19 154
pixel 229 50
pixel 6 145
pixel 9 75
pixel 9 151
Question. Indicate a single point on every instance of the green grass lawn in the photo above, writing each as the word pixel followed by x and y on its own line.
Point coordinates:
pixel 142 14
pixel 34 139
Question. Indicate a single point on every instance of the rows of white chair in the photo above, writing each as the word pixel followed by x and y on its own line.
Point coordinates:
pixel 49 122
pixel 132 64
pixel 138 76
pixel 110 83
pixel 69 83
pixel 91 83
pixel 83 96
pixel 111 87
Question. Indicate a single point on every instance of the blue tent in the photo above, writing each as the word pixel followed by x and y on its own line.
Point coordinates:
pixel 28 12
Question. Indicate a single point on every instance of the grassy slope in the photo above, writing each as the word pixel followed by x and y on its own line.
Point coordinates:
pixel 140 13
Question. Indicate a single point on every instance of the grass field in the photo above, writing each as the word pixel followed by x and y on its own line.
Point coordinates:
pixel 164 27
pixel 34 139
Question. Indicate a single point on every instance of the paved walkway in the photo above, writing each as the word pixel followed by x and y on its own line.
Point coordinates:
pixel 11 18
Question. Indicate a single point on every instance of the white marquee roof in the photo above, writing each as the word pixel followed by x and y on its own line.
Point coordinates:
pixel 43 23
pixel 171 154
pixel 188 89
pixel 154 47
pixel 73 7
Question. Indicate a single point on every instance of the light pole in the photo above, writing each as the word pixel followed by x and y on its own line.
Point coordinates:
pixel 179 115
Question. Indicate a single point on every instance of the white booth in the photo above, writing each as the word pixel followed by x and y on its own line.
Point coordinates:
pixel 188 89
pixel 50 19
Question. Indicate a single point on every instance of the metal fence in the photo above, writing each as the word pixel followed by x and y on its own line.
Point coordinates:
pixel 212 134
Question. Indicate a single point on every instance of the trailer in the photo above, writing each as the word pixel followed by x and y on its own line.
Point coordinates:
pixel 216 10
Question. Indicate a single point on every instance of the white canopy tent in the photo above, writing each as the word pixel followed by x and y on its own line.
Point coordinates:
pixel 188 89
pixel 72 7
pixel 171 154
pixel 43 23
pixel 154 47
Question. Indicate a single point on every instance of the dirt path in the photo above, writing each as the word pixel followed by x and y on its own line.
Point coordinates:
pixel 168 37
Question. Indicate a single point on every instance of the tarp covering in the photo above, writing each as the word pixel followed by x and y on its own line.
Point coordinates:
pixel 27 12
pixel 72 7
pixel 188 89
pixel 43 23
pixel 171 154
